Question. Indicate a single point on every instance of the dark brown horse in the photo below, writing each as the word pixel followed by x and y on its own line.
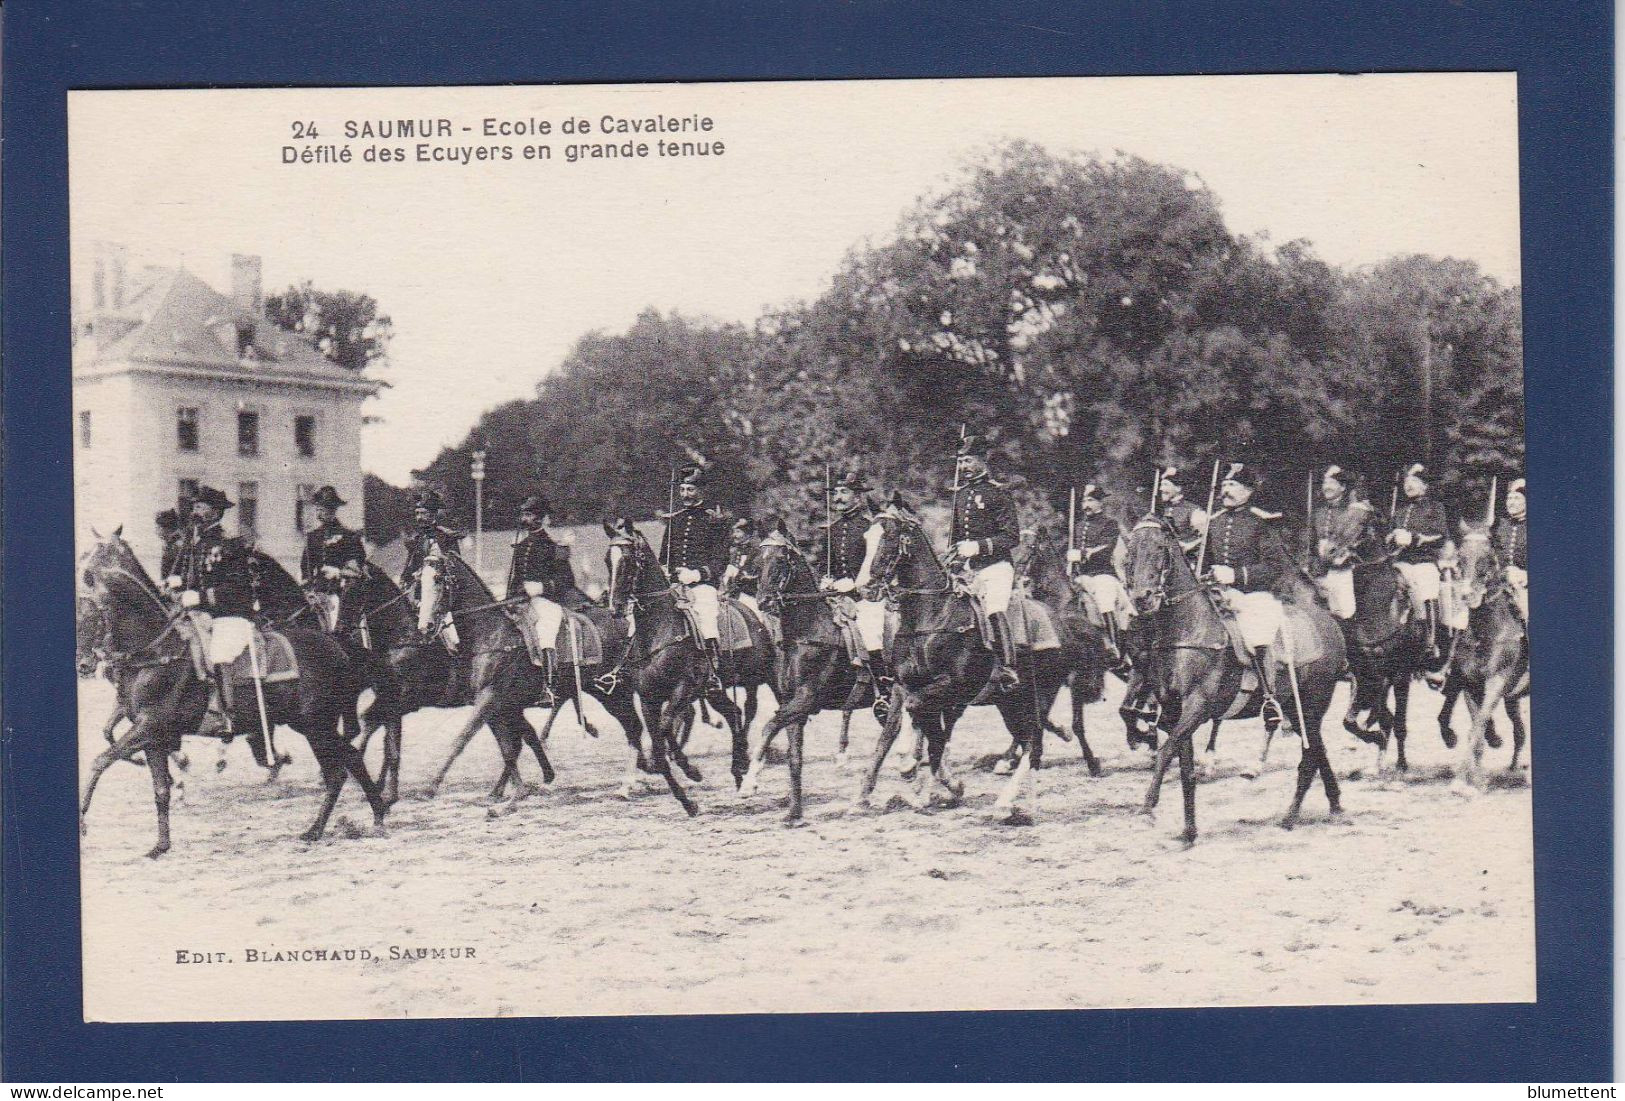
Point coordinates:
pixel 665 667
pixel 1387 648
pixel 154 667
pixel 1490 660
pixel 1191 667
pixel 818 673
pixel 943 665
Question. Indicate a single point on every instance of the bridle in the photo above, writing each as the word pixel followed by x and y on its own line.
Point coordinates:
pixel 1154 600
pixel 906 537
pixel 774 596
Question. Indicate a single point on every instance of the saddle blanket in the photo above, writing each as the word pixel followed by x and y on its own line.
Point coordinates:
pixel 1295 636
pixel 277 660
pixel 575 629
pixel 1032 625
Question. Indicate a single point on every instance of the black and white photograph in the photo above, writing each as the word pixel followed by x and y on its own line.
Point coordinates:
pixel 838 546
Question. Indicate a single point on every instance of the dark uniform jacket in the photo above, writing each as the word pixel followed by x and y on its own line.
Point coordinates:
pixel 1351 530
pixel 537 558
pixel 846 548
pixel 216 566
pixel 421 542
pixel 1512 542
pixel 329 545
pixel 1178 514
pixel 170 558
pixel 986 512
pixel 1243 540
pixel 696 539
pixel 1096 537
pixel 1424 518
pixel 746 561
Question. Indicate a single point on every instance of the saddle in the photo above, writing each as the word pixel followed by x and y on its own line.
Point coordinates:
pixel 733 629
pixel 1031 626
pixel 578 630
pixel 277 660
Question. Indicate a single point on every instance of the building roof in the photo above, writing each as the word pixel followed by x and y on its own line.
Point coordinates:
pixel 174 320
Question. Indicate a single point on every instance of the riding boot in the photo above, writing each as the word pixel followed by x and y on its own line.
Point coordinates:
pixel 713 655
pixel 1270 710
pixel 550 678
pixel 1005 674
pixel 1430 608
pixel 222 684
pixel 880 676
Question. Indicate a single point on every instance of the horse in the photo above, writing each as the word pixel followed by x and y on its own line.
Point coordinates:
pixel 1387 647
pixel 1490 657
pixel 818 674
pixel 91 654
pixel 942 666
pixel 155 672
pixel 665 666
pixel 1192 669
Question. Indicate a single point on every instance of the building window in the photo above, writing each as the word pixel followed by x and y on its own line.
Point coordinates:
pixel 245 340
pixel 304 435
pixel 248 433
pixel 248 508
pixel 301 511
pixel 187 494
pixel 186 428
pixel 84 429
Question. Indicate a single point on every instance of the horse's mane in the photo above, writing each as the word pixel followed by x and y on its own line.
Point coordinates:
pixel 467 574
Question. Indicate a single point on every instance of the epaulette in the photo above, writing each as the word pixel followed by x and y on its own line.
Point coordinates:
pixel 1362 504
pixel 715 513
pixel 1264 514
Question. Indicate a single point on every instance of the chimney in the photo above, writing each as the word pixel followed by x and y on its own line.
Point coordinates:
pixel 107 282
pixel 246 296
pixel 117 256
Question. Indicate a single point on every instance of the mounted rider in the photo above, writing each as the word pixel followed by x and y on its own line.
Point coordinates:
pixel 1512 546
pixel 172 537
pixel 332 553
pixel 1185 518
pixel 1092 561
pixel 1247 560
pixel 744 569
pixel 1346 534
pixel 694 551
pixel 216 585
pixel 424 578
pixel 984 534
pixel 538 574
pixel 852 533
pixel 1418 535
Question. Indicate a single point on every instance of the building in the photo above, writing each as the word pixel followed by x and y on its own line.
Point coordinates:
pixel 176 384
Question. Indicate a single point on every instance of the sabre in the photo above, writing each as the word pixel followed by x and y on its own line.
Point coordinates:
pixel 1212 492
pixel 1156 490
pixel 829 521
pixel 1071 526
pixel 671 507
pixel 575 667
pixel 1309 520
pixel 259 697
pixel 1489 506
pixel 953 518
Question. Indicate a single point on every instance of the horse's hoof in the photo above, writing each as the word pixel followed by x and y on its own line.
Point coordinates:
pixel 1448 737
pixel 84 828
pixel 1249 772
pixel 1003 767
pixel 794 821
pixel 1187 838
pixel 157 851
pixel 1094 768
pixel 310 837
pixel 423 795
pixel 379 829
pixel 1492 739
pixel 1288 822
pixel 693 809
pixel 1017 817
pixel 220 765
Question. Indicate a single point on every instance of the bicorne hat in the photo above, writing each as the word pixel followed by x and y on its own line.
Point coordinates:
pixel 328 497
pixel 536 505
pixel 208 495
pixel 1242 475
pixel 431 500
pixel 692 475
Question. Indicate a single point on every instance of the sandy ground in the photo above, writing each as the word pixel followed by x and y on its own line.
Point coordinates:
pixel 582 903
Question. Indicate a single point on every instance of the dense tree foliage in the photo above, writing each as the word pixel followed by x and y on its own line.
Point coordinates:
pixel 1094 314
pixel 345 327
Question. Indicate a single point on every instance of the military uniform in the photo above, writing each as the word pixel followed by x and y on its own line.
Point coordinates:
pixel 217 585
pixel 1241 540
pixel 1345 533
pixel 1512 547
pixel 424 577
pixel 330 549
pixel 852 536
pixel 985 515
pixel 1418 536
pixel 539 573
pixel 695 552
pixel 1096 541
pixel 1182 516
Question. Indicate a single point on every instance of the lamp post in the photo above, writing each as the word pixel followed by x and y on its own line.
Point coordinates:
pixel 478 472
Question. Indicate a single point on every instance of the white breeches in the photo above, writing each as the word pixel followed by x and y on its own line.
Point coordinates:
pixel 1110 596
pixel 1338 585
pixel 546 615
pixel 1423 580
pixel 872 624
pixel 1258 615
pixel 1453 610
pixel 749 601
pixel 228 637
pixel 706 609
pixel 328 604
pixel 993 584
pixel 1520 596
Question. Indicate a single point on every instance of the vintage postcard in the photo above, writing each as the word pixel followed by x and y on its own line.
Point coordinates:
pixel 728 548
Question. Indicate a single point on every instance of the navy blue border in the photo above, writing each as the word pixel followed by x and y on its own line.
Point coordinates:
pixel 1564 59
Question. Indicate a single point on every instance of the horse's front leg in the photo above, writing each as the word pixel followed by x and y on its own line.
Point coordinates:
pixel 1519 734
pixel 158 765
pixel 1469 774
pixel 139 737
pixel 883 744
pixel 476 719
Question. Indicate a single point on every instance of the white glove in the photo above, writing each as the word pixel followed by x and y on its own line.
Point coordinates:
pixel 845 585
pixel 1325 548
pixel 1224 575
pixel 190 599
pixel 331 572
pixel 967 548
pixel 1402 538
pixel 1074 555
pixel 688 576
pixel 1517 577
pixel 174 581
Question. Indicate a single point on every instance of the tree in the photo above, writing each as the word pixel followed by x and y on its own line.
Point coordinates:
pixel 345 327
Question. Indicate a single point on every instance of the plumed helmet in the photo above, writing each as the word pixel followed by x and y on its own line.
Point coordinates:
pixel 1242 475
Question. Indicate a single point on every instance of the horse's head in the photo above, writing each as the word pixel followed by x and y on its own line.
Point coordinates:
pixel 1154 559
pixel 631 564
pixel 1477 561
pixel 903 553
pixel 781 563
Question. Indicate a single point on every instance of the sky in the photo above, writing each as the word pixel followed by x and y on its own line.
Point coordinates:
pixel 492 270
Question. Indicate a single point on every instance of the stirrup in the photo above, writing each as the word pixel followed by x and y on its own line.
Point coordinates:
pixel 1271 711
